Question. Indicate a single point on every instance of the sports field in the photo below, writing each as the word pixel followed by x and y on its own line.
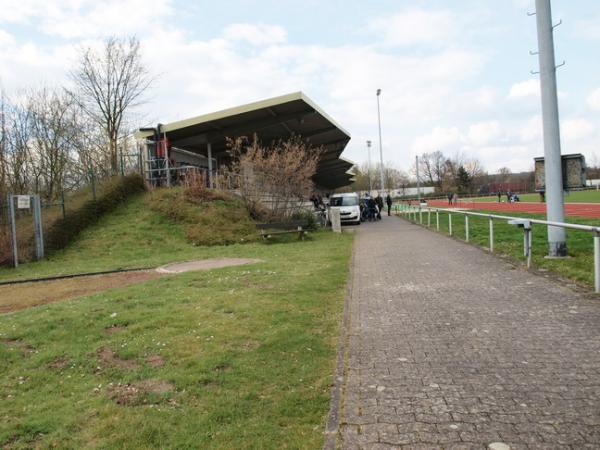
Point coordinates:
pixel 591 196
pixel 589 210
pixel 577 204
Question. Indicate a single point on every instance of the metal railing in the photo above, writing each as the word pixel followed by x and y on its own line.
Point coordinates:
pixel 416 214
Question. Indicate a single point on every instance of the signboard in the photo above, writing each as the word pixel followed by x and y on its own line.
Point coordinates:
pixel 23 201
pixel 573 171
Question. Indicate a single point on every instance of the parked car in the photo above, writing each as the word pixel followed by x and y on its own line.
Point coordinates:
pixel 349 207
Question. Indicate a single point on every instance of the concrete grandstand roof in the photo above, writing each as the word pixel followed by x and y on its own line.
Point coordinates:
pixel 272 119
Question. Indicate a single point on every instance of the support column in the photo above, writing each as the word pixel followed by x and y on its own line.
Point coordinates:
pixel 210 167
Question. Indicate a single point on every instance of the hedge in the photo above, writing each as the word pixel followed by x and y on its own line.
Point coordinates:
pixel 115 192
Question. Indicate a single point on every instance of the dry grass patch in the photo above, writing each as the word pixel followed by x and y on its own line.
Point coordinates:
pixel 14 297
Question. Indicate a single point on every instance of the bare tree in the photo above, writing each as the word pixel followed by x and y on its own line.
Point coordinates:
pixel 505 174
pixel 108 85
pixel 54 128
pixel 279 176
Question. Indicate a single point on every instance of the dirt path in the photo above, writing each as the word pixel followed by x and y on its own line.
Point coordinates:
pixel 14 297
pixel 21 296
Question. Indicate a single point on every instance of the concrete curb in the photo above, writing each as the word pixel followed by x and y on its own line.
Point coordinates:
pixel 335 405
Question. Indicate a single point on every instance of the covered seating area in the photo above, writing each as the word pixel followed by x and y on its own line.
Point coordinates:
pixel 200 143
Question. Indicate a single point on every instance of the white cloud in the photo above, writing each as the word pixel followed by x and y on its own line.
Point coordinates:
pixel 415 26
pixel 6 38
pixel 447 140
pixel 530 130
pixel 255 34
pixel 588 29
pixel 87 18
pixel 529 88
pixel 593 100
pixel 577 129
pixel 484 133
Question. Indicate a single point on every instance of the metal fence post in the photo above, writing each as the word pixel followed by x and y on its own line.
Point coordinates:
pixel 93 180
pixel 437 219
pixel 62 204
pixel 466 228
pixel 597 261
pixel 528 246
pixel 13 229
pixel 37 226
pixel 420 215
pixel 491 235
pixel 449 223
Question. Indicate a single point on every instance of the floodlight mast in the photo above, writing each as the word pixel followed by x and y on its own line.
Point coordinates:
pixel 380 144
pixel 555 208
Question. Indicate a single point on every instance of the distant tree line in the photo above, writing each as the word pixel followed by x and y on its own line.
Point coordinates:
pixel 457 174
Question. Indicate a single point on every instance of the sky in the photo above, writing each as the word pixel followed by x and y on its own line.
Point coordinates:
pixel 455 75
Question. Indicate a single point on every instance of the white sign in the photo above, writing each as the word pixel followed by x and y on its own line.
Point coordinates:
pixel 23 201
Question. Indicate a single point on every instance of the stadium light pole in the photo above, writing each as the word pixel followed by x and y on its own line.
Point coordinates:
pixel 369 167
pixel 555 208
pixel 380 144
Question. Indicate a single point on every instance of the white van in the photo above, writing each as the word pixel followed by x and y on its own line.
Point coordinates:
pixel 348 205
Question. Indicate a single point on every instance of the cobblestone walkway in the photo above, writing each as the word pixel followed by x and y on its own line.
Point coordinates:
pixel 452 348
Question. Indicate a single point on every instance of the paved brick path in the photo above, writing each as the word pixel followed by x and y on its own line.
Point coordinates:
pixel 450 347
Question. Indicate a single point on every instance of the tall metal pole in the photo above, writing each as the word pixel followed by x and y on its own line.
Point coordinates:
pixel 380 144
pixel 369 167
pixel 555 209
pixel 418 181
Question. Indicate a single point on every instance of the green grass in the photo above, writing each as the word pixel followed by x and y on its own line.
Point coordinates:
pixel 589 196
pixel 508 240
pixel 248 351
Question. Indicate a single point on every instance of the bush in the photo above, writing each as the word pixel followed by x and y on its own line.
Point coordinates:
pixel 309 217
pixel 207 216
pixel 114 192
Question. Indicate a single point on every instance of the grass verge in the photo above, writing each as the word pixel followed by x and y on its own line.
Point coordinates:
pixel 240 357
pixel 508 241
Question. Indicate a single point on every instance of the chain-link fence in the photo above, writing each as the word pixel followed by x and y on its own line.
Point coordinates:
pixel 59 207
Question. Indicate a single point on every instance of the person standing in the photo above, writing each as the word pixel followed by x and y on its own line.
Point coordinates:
pixel 379 201
pixel 499 196
pixel 388 200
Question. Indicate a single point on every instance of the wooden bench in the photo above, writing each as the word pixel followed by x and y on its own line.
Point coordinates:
pixel 267 230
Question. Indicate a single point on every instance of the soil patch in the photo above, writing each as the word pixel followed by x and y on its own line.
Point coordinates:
pixel 108 358
pixel 205 264
pixel 59 363
pixel 26 295
pixel 132 394
pixel 115 329
pixel 16 344
pixel 155 360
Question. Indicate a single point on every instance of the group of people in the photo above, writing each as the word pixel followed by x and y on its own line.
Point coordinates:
pixel 511 197
pixel 371 207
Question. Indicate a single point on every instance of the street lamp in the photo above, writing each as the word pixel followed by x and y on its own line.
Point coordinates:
pixel 380 144
pixel 369 167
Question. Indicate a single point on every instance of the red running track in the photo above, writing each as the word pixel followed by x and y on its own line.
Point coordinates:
pixel 590 210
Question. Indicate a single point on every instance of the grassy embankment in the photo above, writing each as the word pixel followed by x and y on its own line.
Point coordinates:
pixel 508 240
pixel 239 357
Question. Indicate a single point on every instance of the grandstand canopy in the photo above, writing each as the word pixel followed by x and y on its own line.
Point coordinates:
pixel 272 119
